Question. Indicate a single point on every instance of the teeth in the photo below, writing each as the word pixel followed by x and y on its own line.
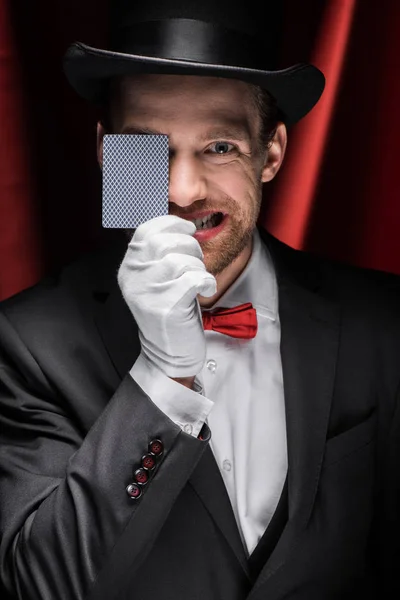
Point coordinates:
pixel 201 222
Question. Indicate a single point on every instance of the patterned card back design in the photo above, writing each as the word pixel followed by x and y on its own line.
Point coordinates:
pixel 135 179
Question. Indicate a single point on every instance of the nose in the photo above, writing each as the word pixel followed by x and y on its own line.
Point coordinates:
pixel 187 181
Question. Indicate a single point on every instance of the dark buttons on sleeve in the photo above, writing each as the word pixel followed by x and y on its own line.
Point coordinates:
pixel 148 462
pixel 145 471
pixel 156 447
pixel 134 491
pixel 141 476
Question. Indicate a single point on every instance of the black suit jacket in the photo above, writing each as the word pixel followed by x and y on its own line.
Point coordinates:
pixel 74 427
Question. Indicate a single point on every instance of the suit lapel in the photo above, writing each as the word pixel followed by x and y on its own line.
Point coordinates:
pixel 113 319
pixel 118 330
pixel 309 346
pixel 208 484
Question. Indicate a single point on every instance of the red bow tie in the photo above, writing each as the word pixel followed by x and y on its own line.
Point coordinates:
pixel 239 321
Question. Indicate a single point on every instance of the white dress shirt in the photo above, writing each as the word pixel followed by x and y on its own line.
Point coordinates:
pixel 239 392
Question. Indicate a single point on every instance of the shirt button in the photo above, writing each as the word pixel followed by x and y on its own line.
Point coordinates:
pixel 188 428
pixel 212 365
pixel 227 465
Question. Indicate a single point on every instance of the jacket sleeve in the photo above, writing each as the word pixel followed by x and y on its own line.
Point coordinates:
pixel 66 519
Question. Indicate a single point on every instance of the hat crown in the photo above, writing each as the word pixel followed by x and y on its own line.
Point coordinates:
pixel 223 32
pixel 259 19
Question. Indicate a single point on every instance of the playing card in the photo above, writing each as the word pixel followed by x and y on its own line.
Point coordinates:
pixel 135 179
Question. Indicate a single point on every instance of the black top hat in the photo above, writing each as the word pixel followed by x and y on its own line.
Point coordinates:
pixel 236 39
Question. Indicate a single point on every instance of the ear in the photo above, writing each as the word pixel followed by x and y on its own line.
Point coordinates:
pixel 100 134
pixel 275 154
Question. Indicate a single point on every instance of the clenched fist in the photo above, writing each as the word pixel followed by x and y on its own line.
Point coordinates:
pixel 160 276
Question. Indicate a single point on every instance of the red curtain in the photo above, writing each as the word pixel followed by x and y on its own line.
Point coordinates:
pixel 20 240
pixel 336 194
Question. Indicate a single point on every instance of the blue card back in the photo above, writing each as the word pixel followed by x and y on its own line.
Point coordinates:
pixel 135 179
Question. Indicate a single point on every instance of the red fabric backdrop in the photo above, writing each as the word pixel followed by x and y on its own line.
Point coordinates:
pixel 336 194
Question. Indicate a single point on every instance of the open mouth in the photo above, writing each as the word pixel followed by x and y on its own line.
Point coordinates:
pixel 208 222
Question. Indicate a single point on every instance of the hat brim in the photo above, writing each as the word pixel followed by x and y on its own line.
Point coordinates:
pixel 296 89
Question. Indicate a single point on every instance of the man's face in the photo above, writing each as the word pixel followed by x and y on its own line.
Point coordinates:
pixel 216 162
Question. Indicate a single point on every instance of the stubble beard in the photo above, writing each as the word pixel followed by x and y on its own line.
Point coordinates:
pixel 220 253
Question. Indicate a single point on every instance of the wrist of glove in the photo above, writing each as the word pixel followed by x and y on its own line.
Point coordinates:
pixel 160 277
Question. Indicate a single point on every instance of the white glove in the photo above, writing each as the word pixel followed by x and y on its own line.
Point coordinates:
pixel 160 276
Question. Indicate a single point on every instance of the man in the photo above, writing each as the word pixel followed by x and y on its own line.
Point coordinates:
pixel 146 455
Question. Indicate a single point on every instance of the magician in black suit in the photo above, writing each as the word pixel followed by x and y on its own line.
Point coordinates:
pixel 198 411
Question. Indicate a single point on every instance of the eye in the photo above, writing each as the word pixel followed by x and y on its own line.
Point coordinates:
pixel 221 148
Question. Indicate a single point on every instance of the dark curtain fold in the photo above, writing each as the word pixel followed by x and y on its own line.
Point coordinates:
pixel 336 194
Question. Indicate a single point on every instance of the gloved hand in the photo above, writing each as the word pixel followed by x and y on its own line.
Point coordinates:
pixel 160 276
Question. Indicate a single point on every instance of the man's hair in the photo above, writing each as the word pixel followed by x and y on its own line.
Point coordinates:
pixel 269 113
pixel 264 103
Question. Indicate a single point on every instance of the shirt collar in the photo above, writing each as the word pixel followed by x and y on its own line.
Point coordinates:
pixel 256 283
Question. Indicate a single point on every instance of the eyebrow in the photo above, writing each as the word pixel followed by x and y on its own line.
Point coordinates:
pixel 233 132
pixel 135 130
